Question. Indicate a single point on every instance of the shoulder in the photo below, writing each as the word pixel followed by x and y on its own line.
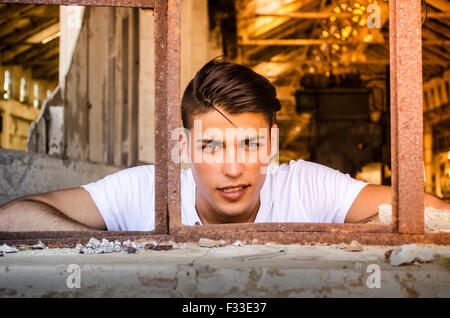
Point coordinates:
pixel 125 179
pixel 308 169
pixel 308 176
pixel 134 173
pixel 299 167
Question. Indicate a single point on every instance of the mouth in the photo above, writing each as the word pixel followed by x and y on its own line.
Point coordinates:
pixel 233 192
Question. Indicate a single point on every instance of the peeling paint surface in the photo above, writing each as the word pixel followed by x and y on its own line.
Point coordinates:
pixel 232 271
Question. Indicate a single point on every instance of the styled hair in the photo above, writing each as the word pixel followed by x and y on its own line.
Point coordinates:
pixel 231 87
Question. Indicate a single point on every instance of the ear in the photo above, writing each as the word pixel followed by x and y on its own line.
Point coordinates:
pixel 274 140
pixel 184 145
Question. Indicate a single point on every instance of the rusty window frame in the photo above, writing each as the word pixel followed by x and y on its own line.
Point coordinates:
pixel 405 41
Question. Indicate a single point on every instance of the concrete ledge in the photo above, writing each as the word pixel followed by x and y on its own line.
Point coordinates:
pixel 232 271
pixel 23 173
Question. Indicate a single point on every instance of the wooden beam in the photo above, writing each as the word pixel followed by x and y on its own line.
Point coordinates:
pixel 26 32
pixel 326 15
pixel 49 57
pixel 13 26
pixel 286 29
pixel 6 56
pixel 14 10
pixel 443 5
pixel 307 42
pixel 35 51
pixel 302 15
pixel 43 71
pixel 296 42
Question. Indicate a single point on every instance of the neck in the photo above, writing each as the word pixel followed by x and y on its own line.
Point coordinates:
pixel 208 215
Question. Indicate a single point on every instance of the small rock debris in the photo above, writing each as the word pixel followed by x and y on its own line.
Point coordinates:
pixel 131 250
pixel 161 247
pixel 204 242
pixel 354 246
pixel 8 249
pixel 39 246
pixel 409 254
pixel 95 246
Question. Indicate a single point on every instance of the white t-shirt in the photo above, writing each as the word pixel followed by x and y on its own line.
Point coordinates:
pixel 301 191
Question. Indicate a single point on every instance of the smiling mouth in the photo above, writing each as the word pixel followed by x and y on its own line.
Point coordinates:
pixel 234 189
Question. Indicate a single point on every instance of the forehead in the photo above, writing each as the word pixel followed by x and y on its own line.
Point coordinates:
pixel 213 119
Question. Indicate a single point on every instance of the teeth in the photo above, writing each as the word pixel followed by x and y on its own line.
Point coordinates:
pixel 233 189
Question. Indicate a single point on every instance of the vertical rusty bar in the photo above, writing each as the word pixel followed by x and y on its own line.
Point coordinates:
pixel 161 150
pixel 173 108
pixel 405 38
pixel 167 112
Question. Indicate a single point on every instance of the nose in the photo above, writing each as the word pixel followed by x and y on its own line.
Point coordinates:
pixel 232 169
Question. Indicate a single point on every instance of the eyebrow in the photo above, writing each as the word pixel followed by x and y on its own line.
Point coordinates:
pixel 247 139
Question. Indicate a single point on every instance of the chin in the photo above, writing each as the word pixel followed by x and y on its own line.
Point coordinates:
pixel 232 212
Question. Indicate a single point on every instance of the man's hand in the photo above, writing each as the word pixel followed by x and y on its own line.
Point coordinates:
pixel 63 210
pixel 365 206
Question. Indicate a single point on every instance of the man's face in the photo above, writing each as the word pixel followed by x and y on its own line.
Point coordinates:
pixel 227 162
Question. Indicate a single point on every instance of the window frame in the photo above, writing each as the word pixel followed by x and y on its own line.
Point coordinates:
pixel 406 144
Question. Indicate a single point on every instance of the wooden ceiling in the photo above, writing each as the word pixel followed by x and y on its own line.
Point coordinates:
pixel 287 63
pixel 22 29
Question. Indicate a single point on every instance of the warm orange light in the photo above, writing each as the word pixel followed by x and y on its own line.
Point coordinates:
pixel 346 31
pixel 362 22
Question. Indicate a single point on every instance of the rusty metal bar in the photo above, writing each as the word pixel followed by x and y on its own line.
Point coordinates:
pixel 97 3
pixel 302 238
pixel 161 117
pixel 281 227
pixel 207 229
pixel 405 40
pixel 173 108
pixel 167 111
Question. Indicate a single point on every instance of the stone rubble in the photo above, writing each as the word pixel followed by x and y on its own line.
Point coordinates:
pixel 8 249
pixel 409 254
pixel 354 246
pixel 204 242
pixel 39 246
pixel 238 243
pixel 95 246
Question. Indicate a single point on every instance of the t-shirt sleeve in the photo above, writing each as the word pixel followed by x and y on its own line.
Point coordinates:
pixel 327 193
pixel 125 199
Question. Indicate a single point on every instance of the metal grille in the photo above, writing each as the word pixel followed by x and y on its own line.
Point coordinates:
pixel 406 142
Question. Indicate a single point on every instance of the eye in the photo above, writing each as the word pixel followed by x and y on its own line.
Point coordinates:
pixel 212 146
pixel 252 145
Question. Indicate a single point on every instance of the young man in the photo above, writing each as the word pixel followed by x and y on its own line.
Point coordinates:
pixel 222 100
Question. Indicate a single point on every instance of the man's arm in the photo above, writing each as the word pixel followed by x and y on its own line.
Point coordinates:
pixel 63 210
pixel 365 206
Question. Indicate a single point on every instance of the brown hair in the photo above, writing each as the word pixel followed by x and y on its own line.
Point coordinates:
pixel 231 87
